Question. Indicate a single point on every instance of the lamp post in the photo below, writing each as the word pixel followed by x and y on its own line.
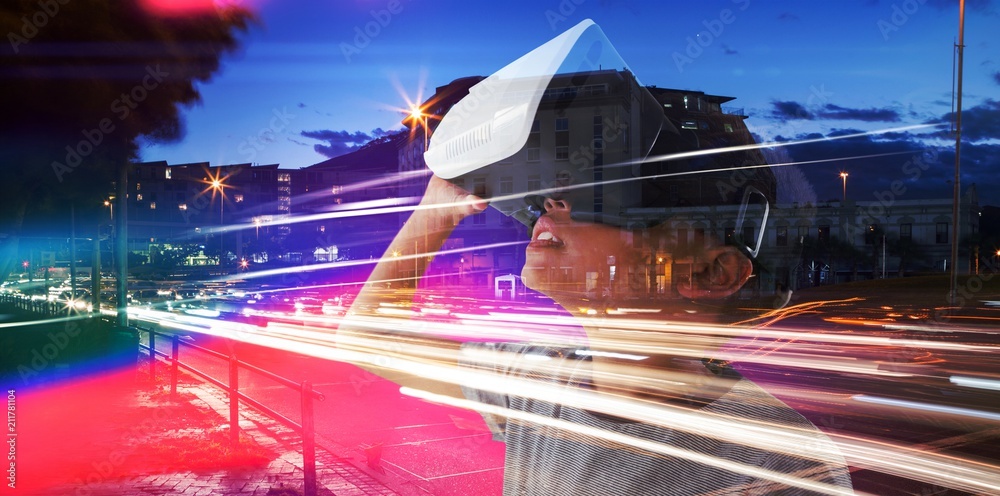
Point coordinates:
pixel 111 205
pixel 843 175
pixel 219 186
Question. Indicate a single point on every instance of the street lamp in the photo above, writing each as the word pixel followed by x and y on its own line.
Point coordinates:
pixel 111 205
pixel 843 175
pixel 419 117
pixel 218 184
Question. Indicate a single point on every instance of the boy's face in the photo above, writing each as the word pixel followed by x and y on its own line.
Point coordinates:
pixel 571 260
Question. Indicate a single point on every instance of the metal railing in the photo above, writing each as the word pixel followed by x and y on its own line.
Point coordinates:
pixel 36 305
pixel 306 393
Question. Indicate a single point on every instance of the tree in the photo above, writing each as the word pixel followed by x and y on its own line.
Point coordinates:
pixel 84 83
pixel 908 251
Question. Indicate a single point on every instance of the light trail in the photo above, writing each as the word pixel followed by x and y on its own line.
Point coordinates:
pixel 975 382
pixel 420 358
pixel 928 407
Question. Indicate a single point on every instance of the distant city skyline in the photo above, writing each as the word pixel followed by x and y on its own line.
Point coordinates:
pixel 315 81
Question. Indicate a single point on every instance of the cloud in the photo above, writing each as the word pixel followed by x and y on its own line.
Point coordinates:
pixel 788 16
pixel 979 123
pixel 831 111
pixel 728 50
pixel 339 142
pixel 875 162
pixel 996 77
pixel 789 110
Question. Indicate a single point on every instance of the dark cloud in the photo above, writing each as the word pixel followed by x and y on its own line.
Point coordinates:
pixel 874 162
pixel 831 111
pixel 789 110
pixel 302 105
pixel 728 50
pixel 338 142
pixel 979 123
pixel 996 77
pixel 787 16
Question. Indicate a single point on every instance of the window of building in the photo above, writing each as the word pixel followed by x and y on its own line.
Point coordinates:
pixel 534 182
pixel 682 239
pixel 941 233
pixel 803 231
pixel 781 236
pixel 728 127
pixel 182 206
pixel 479 219
pixel 238 198
pixel 138 197
pixel 138 186
pixel 479 186
pixel 168 173
pixel 730 235
pixel 823 234
pixel 533 146
pixel 562 153
pixel 689 124
pixel 506 185
pixel 699 236
pixel 152 205
pixel 562 123
pixel 906 232
pixel 533 154
pixel 284 177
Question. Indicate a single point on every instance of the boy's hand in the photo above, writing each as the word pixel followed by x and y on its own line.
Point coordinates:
pixel 452 200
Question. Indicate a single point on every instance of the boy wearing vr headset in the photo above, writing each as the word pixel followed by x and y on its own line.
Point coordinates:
pixel 640 407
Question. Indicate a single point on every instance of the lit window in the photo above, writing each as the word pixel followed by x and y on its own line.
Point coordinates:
pixel 284 177
pixel 729 127
pixel 689 124
pixel 138 186
pixel 152 205
pixel 168 173
pixel 138 197
pixel 336 190
pixel 182 206
pixel 238 198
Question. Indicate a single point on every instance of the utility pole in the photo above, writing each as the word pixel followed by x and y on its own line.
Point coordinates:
pixel 958 156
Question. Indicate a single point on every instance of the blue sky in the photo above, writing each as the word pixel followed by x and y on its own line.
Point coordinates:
pixel 306 86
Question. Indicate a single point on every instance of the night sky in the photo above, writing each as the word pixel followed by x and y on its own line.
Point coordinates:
pixel 318 78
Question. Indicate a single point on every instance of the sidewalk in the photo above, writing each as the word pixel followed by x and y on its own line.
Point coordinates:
pixel 138 440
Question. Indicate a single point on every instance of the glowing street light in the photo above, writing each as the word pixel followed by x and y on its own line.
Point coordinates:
pixel 419 117
pixel 843 175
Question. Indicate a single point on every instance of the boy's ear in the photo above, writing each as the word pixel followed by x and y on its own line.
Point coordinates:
pixel 717 273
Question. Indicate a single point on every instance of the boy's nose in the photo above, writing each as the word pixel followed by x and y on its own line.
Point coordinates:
pixel 552 205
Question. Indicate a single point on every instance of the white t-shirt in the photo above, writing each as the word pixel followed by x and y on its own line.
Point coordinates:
pixel 542 459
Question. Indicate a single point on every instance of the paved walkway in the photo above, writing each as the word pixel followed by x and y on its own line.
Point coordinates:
pixel 281 476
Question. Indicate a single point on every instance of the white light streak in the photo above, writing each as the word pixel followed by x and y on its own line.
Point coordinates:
pixel 927 407
pixel 975 382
